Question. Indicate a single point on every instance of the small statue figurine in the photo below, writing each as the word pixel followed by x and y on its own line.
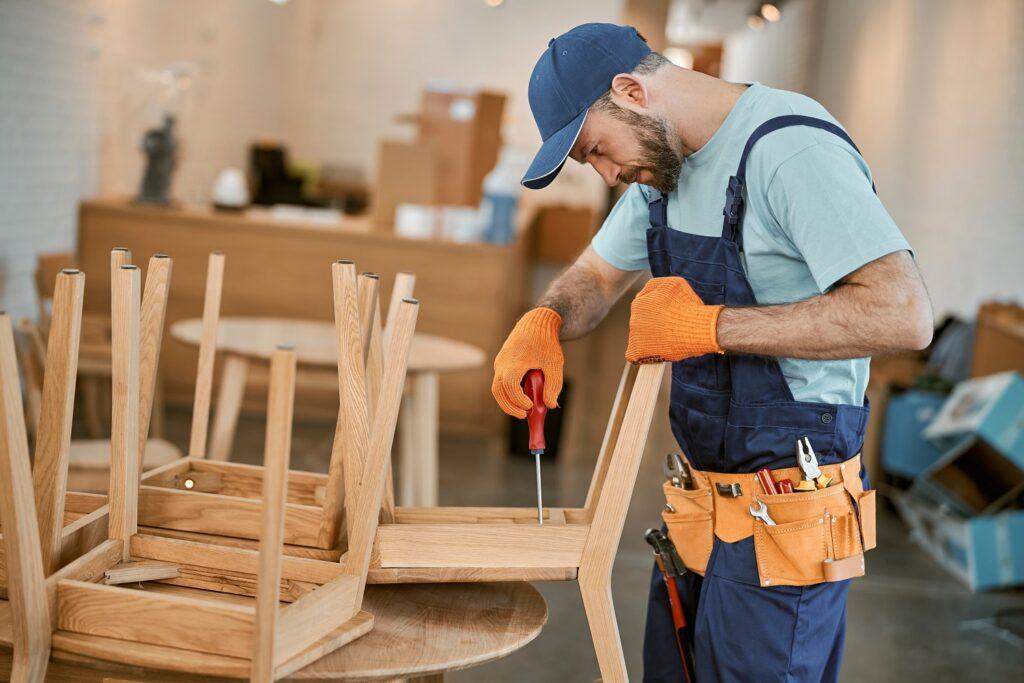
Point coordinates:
pixel 160 146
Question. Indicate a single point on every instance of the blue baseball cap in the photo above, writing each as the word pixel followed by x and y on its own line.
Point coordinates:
pixel 575 70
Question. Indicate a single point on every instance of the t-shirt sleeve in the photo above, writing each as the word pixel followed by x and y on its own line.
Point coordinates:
pixel 823 202
pixel 622 239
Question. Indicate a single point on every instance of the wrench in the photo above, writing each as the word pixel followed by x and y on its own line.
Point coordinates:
pixel 761 512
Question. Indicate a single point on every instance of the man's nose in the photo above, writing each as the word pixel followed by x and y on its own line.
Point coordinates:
pixel 608 171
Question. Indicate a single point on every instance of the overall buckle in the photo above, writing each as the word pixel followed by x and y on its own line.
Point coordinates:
pixel 733 201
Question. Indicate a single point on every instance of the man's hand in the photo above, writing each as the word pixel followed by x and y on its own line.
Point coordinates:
pixel 532 345
pixel 668 321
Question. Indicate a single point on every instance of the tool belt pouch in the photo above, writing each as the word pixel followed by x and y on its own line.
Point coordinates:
pixel 690 527
pixel 818 536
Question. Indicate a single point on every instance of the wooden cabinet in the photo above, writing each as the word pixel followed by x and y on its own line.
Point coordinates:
pixel 469 292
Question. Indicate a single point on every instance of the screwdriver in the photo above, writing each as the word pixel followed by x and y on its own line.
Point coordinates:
pixel 533 385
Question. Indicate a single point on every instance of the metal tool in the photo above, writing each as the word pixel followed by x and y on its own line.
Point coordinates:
pixel 666 550
pixel 671 566
pixel 678 472
pixel 813 478
pixel 533 385
pixel 760 510
pixel 732 490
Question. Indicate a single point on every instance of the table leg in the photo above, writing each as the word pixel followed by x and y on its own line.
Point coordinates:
pixel 418 471
pixel 229 406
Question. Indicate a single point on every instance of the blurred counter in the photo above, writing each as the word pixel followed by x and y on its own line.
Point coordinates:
pixel 281 268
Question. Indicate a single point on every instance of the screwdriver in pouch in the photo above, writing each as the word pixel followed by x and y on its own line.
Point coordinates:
pixel 533 385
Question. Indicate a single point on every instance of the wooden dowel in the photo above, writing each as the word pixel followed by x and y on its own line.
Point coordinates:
pixel 123 496
pixel 374 372
pixel 369 297
pixel 351 434
pixel 207 353
pixel 276 454
pixel 365 519
pixel 151 334
pixel 119 256
pixel 403 288
pixel 26 584
pixel 53 436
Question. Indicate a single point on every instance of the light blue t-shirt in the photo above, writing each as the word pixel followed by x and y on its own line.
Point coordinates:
pixel 811 219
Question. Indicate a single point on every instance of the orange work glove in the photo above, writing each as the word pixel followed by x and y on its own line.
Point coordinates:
pixel 668 321
pixel 532 345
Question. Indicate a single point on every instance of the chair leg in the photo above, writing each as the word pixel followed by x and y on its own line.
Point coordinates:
pixel 597 601
pixel 156 422
pixel 91 399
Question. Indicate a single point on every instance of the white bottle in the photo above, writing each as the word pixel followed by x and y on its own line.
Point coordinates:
pixel 501 198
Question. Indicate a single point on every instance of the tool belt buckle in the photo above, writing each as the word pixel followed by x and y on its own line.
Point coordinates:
pixel 732 490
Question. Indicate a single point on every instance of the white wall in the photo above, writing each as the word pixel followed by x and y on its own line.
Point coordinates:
pixel 73 109
pixel 362 64
pixel 780 55
pixel 931 90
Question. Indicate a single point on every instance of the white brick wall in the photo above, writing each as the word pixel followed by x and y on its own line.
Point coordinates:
pixel 49 136
pixel 73 108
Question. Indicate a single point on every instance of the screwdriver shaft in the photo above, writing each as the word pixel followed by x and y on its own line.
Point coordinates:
pixel 540 500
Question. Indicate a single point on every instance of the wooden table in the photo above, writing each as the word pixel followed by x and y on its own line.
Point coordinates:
pixel 420 632
pixel 242 340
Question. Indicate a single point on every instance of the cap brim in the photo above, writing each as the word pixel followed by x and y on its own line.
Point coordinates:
pixel 552 154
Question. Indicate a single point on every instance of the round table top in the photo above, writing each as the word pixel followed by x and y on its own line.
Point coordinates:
pixel 315 343
pixel 424 629
pixel 419 630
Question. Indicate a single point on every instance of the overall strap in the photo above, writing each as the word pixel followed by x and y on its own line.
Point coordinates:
pixel 733 211
pixel 657 208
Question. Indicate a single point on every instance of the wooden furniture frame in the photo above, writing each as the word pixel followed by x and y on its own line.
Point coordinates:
pixel 72 523
pixel 447 544
pixel 199 496
pixel 159 629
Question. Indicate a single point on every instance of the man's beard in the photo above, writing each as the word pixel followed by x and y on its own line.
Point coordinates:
pixel 660 158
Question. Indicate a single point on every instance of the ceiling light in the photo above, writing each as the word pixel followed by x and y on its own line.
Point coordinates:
pixel 771 12
pixel 493 3
pixel 679 56
pixel 755 22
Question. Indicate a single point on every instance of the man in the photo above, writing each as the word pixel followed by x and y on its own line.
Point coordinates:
pixel 776 274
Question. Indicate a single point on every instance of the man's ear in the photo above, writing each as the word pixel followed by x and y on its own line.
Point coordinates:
pixel 630 92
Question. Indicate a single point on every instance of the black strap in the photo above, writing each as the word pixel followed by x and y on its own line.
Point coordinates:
pixel 733 211
pixel 657 208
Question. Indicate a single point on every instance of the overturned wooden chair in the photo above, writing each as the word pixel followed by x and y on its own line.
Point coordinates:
pixel 454 544
pixel 198 496
pixel 205 634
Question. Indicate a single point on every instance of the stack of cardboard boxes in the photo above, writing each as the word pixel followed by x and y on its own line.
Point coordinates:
pixel 457 143
pixel 965 456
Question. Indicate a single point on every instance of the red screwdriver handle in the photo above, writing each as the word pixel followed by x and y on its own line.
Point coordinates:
pixel 533 385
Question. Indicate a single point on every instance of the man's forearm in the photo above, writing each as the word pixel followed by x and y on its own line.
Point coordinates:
pixel 577 297
pixel 584 292
pixel 878 310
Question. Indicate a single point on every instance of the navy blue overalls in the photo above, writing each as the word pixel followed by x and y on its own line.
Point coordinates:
pixel 735 413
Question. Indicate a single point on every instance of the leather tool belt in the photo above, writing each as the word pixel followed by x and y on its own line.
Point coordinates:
pixel 818 535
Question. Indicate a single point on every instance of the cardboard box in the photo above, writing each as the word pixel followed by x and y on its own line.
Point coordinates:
pixel 406 174
pixel 560 233
pixel 905 451
pixel 983 552
pixel 980 428
pixel 887 373
pixel 998 340
pixel 464 129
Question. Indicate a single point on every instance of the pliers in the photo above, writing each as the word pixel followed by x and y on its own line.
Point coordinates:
pixel 813 477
